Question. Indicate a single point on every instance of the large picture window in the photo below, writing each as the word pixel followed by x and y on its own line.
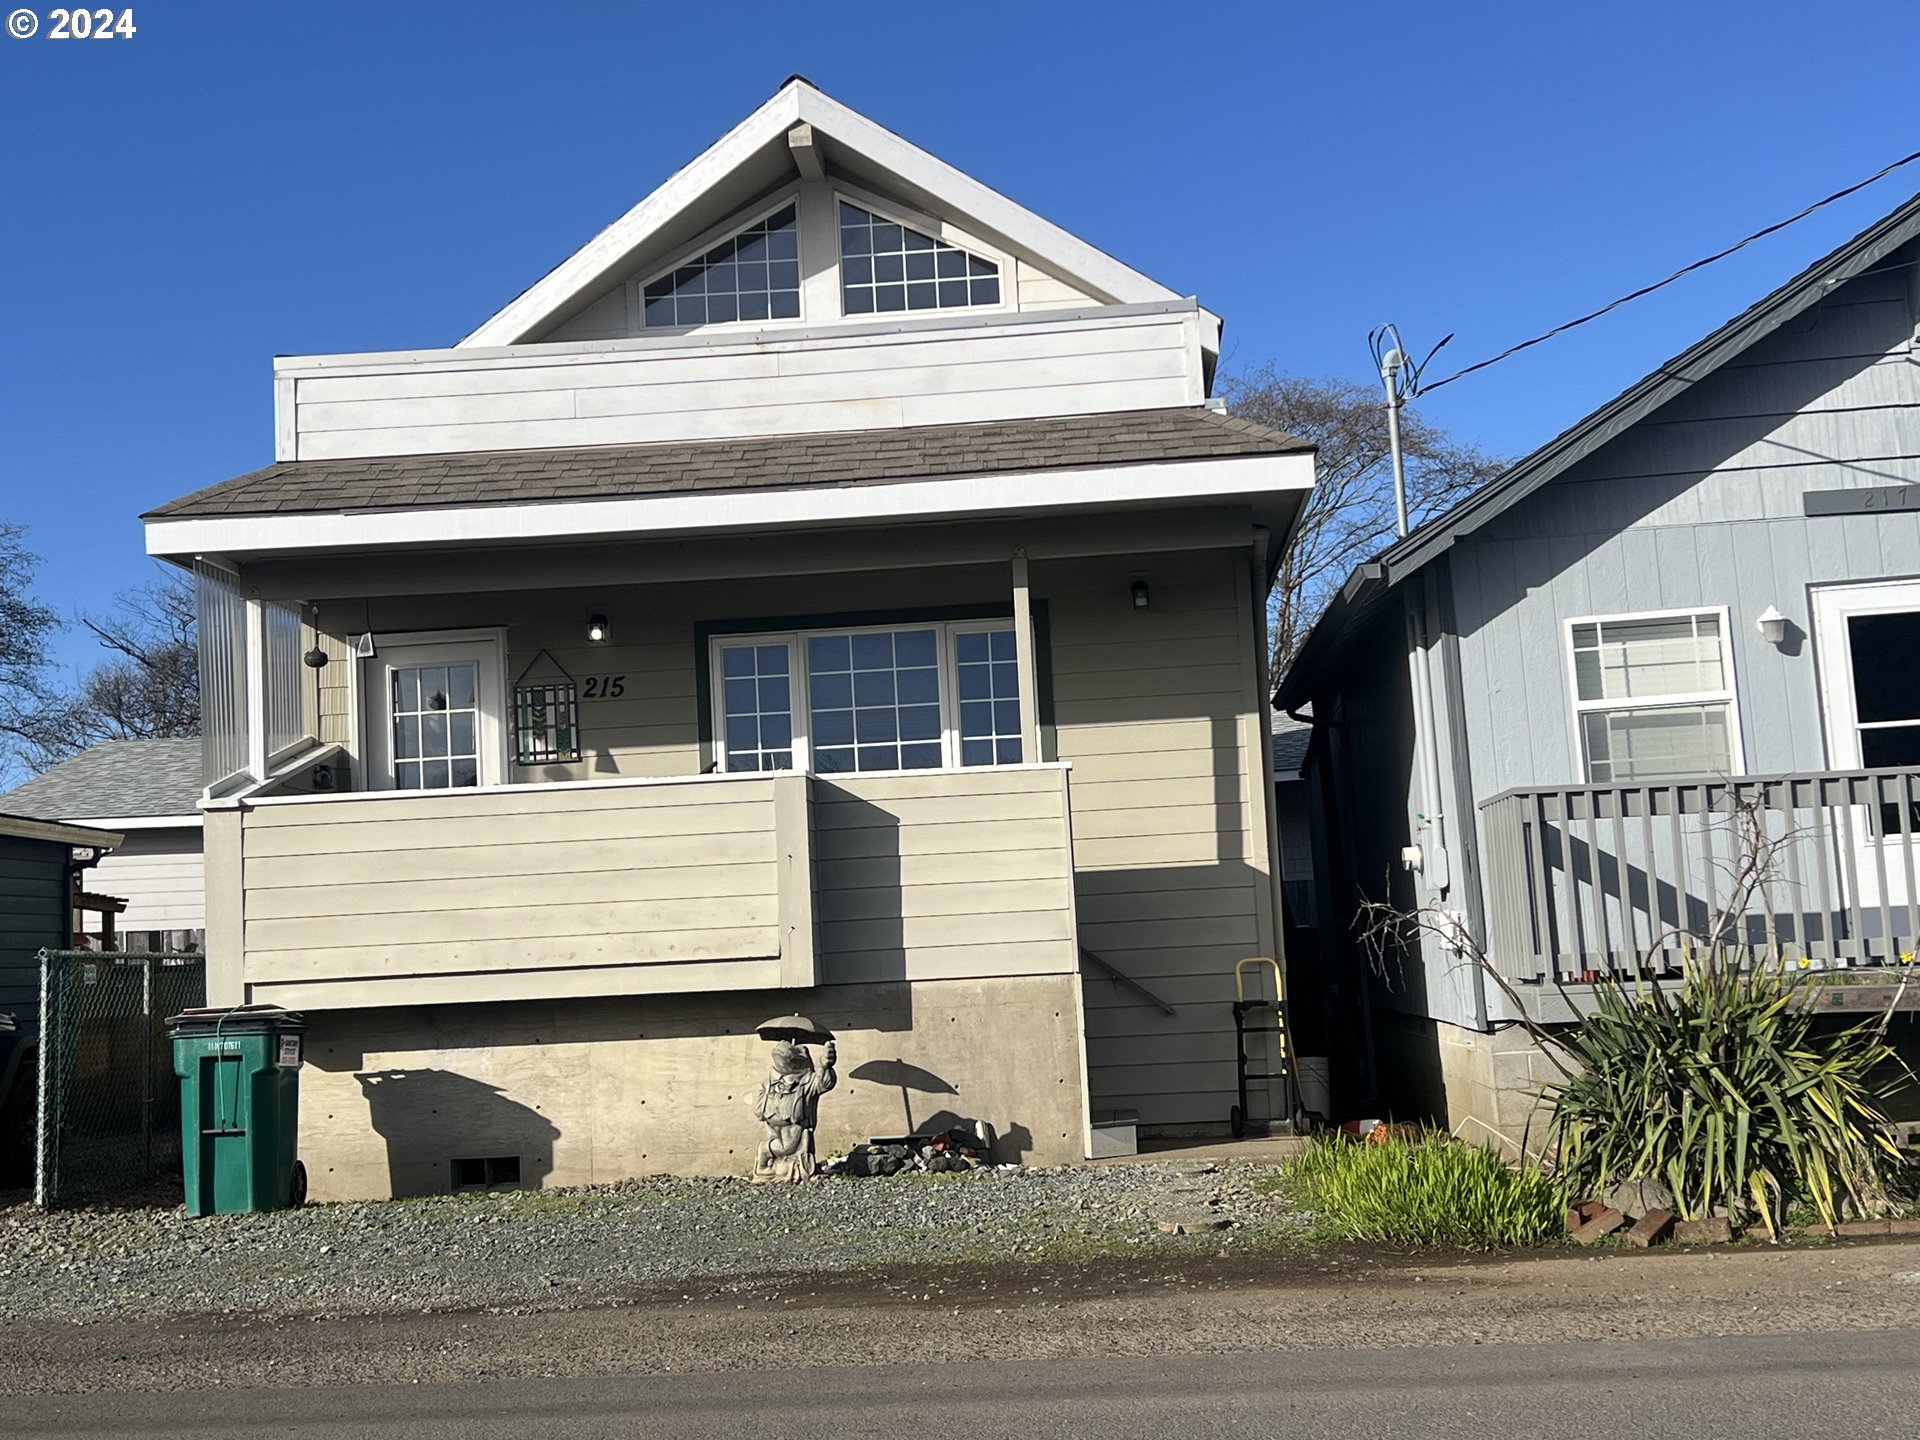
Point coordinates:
pixel 838 701
pixel 1653 696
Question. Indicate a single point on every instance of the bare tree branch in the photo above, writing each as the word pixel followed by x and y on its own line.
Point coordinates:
pixel 1350 514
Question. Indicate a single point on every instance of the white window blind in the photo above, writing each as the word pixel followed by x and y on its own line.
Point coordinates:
pixel 1653 697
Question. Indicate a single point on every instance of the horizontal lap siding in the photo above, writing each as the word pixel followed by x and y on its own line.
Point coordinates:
pixel 768 387
pixel 653 728
pixel 161 876
pixel 941 877
pixel 1153 709
pixel 32 914
pixel 465 890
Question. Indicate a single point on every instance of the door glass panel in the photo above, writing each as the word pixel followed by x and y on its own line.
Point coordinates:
pixel 436 727
pixel 757 700
pixel 1886 668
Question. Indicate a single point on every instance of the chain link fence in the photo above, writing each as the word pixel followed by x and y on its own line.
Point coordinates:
pixel 109 1107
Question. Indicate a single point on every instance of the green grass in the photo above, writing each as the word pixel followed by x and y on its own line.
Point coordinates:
pixel 1428 1191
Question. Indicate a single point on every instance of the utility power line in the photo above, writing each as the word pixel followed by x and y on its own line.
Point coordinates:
pixel 1684 270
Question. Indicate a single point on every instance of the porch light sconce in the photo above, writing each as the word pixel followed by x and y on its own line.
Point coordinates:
pixel 1142 597
pixel 1772 625
pixel 597 630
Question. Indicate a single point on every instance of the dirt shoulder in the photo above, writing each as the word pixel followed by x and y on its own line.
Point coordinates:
pixel 1165 1304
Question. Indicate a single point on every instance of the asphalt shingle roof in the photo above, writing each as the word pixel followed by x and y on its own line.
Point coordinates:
pixel 524 477
pixel 1290 740
pixel 119 779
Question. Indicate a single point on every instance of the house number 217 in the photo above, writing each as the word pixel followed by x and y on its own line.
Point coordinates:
pixel 605 687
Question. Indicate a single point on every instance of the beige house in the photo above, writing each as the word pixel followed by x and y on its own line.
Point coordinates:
pixel 829 589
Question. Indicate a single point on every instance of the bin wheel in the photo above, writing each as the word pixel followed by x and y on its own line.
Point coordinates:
pixel 297 1191
pixel 1237 1123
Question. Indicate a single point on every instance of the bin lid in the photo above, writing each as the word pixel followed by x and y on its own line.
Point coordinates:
pixel 236 1020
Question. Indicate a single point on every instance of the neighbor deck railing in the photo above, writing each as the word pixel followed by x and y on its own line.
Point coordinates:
pixel 1589 878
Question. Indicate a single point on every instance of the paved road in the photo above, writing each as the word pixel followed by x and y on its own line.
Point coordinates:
pixel 1753 1387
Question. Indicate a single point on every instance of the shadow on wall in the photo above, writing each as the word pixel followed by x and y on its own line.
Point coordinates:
pixel 430 1118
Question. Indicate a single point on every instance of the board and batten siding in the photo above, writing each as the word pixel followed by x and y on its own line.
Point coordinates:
pixel 162 877
pixel 943 875
pixel 1158 712
pixel 629 392
pixel 523 893
pixel 33 914
pixel 1701 506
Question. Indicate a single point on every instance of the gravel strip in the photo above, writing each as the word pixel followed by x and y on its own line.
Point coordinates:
pixel 559 1249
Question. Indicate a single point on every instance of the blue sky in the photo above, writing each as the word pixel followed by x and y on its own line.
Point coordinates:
pixel 240 180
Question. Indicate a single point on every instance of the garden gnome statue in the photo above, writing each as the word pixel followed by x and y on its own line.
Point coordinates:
pixel 788 1100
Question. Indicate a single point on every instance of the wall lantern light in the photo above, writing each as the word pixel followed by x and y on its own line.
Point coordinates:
pixel 1142 597
pixel 597 630
pixel 1772 625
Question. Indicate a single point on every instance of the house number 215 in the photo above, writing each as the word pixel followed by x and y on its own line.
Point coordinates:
pixel 605 687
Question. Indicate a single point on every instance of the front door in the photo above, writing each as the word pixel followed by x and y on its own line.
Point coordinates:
pixel 435 715
pixel 1868 638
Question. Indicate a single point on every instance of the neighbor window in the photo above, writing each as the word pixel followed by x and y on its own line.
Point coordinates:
pixel 1653 697
pixel 906 697
pixel 885 265
pixel 753 275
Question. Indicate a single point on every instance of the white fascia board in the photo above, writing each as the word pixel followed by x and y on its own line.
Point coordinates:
pixel 1074 257
pixel 759 510
pixel 21 828
pixel 596 264
pixel 593 263
pixel 140 822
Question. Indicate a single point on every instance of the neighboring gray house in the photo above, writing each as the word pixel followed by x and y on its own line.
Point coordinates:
pixel 1704 596
pixel 39 865
pixel 149 791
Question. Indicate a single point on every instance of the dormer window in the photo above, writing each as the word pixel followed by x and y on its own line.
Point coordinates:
pixel 751 275
pixel 886 266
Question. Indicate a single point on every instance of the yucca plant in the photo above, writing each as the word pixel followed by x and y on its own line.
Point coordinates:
pixel 1722 1085
pixel 1424 1191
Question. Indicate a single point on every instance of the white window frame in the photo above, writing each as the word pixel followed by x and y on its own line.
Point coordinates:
pixel 1833 607
pixel 1730 696
pixel 926 225
pixel 636 289
pixel 800 692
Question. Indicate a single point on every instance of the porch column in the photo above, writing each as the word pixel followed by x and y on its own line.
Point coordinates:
pixel 1023 654
pixel 256 711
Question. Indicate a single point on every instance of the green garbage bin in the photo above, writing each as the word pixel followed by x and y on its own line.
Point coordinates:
pixel 239 1072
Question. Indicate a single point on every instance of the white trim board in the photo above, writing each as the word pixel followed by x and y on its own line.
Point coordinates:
pixel 597 264
pixel 19 827
pixel 758 510
pixel 141 822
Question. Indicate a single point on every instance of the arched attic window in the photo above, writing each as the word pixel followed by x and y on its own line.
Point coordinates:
pixel 754 274
pixel 885 265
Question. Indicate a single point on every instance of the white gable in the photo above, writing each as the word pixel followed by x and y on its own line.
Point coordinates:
pixel 804 149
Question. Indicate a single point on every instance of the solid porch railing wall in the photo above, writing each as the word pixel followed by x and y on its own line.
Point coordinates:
pixel 1585 879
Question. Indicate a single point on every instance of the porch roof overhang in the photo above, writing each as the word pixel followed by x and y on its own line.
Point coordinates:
pixel 783 483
